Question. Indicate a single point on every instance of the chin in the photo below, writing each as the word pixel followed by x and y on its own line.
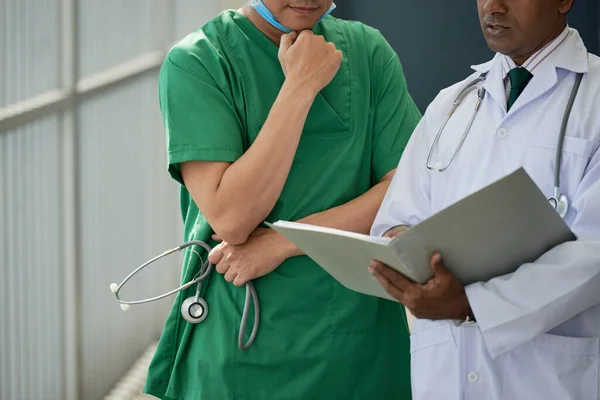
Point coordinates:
pixel 497 46
pixel 295 22
pixel 300 24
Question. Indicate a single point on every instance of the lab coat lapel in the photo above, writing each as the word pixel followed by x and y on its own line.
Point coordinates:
pixel 544 79
pixel 494 82
pixel 571 56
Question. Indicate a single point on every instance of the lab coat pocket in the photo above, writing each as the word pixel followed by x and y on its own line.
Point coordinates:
pixel 572 145
pixel 433 363
pixel 540 161
pixel 552 367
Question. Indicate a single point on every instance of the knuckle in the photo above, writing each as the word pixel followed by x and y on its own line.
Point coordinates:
pixel 395 277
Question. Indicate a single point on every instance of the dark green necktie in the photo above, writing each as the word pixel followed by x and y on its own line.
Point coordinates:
pixel 519 78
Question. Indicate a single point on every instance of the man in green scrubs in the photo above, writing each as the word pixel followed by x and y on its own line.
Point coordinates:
pixel 263 126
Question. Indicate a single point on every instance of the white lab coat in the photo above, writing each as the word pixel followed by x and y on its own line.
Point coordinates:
pixel 537 331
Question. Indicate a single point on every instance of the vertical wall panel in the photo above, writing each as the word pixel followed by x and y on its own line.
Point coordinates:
pixel 114 31
pixel 191 15
pixel 3 53
pixel 127 206
pixel 28 48
pixel 30 263
pixel 129 214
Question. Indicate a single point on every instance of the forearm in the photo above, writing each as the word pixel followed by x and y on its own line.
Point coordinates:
pixel 250 187
pixel 354 216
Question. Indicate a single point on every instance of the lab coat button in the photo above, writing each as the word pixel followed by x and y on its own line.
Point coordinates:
pixel 502 133
pixel 473 377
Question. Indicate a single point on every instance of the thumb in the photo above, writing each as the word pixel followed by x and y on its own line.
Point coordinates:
pixel 286 42
pixel 437 264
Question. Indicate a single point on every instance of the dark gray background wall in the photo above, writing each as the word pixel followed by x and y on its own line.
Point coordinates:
pixel 438 40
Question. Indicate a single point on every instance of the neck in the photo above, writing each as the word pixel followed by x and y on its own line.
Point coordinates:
pixel 520 60
pixel 267 29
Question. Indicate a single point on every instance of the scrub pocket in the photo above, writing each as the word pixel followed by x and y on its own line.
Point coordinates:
pixel 552 367
pixel 428 348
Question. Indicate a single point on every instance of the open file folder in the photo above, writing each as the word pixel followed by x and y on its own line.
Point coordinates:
pixel 487 234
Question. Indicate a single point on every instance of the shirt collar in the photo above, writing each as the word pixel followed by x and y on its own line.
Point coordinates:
pixel 539 57
pixel 567 51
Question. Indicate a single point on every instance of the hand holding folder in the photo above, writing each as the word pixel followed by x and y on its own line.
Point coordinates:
pixel 487 234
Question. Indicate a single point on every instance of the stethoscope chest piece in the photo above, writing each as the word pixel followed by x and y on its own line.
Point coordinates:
pixel 560 203
pixel 194 309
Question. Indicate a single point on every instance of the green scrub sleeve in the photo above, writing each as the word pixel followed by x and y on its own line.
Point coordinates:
pixel 200 120
pixel 396 116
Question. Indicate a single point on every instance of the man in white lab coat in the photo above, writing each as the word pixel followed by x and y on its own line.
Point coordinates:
pixel 533 334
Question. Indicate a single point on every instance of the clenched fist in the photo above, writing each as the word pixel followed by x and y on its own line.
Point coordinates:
pixel 309 60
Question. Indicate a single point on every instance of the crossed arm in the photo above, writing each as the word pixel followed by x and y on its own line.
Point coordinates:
pixel 266 249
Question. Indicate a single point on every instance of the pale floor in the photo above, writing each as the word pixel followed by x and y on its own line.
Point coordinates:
pixel 130 388
pixel 143 396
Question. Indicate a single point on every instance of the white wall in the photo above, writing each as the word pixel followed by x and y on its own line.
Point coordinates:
pixel 233 4
pixel 85 194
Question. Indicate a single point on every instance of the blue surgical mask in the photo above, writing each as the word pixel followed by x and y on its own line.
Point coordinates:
pixel 264 12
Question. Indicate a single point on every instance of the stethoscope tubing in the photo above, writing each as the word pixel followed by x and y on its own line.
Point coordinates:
pixel 205 271
pixel 199 279
pixel 560 202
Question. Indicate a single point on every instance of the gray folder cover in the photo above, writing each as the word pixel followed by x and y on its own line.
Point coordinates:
pixel 487 234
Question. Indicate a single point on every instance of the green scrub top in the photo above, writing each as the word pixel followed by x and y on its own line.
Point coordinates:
pixel 317 339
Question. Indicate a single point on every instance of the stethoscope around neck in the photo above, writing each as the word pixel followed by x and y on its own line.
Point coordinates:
pixel 560 201
pixel 194 309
